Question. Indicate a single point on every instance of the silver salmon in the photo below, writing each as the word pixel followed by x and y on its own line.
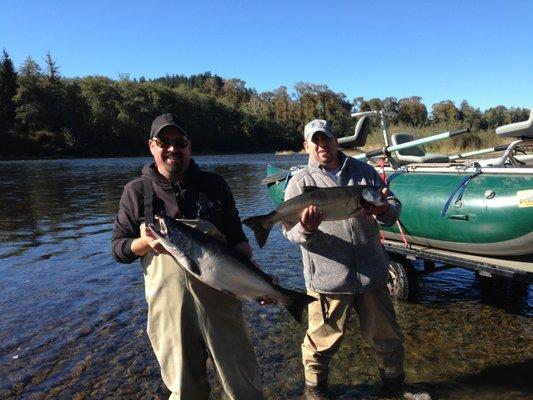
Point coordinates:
pixel 222 267
pixel 335 203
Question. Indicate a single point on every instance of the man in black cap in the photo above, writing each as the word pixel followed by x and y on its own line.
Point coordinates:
pixel 187 320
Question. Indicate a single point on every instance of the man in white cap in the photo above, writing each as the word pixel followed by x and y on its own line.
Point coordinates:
pixel 345 266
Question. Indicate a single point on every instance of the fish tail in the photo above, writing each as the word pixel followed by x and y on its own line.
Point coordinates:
pixel 261 227
pixel 299 302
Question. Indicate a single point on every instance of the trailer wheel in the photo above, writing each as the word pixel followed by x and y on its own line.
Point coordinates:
pixel 402 281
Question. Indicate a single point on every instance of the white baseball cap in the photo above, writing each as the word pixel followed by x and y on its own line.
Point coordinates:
pixel 317 125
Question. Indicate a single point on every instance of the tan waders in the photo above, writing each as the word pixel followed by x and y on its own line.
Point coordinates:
pixel 327 322
pixel 189 321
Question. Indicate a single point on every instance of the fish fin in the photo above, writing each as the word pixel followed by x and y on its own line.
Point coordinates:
pixel 299 301
pixel 257 224
pixel 307 189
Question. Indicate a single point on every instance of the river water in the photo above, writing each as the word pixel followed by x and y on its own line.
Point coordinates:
pixel 73 320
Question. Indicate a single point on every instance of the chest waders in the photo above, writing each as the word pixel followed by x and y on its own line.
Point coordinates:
pixel 189 321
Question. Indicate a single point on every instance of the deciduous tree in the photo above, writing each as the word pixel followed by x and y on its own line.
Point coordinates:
pixel 444 111
pixel 411 111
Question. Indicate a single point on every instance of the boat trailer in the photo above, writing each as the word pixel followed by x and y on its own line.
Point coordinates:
pixel 403 276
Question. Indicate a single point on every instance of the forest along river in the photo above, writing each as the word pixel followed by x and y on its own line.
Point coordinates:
pixel 73 320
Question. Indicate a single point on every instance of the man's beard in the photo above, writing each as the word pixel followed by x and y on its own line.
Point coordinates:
pixel 175 168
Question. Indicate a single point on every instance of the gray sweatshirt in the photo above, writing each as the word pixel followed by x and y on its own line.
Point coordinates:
pixel 342 256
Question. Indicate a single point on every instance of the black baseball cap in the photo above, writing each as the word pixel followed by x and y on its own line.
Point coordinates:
pixel 165 120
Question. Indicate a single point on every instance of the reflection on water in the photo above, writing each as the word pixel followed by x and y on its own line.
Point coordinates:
pixel 73 320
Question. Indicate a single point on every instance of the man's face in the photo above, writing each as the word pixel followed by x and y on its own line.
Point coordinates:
pixel 172 152
pixel 322 149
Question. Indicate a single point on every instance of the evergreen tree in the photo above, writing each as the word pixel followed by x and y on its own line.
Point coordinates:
pixel 54 96
pixel 30 98
pixel 8 89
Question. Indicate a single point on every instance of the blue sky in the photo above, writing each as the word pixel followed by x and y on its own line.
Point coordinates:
pixel 480 51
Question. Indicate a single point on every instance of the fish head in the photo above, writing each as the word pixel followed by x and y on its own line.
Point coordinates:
pixel 172 235
pixel 366 193
pixel 372 195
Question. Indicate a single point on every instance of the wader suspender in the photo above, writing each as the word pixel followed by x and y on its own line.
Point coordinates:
pixel 148 201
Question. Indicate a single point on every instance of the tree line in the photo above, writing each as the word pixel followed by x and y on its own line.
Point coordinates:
pixel 45 114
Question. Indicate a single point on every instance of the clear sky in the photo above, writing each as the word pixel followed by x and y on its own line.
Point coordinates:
pixel 478 50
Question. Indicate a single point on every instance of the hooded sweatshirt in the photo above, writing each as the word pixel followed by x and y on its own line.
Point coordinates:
pixel 342 256
pixel 200 194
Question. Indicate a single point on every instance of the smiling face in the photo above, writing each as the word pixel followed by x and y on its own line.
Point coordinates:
pixel 323 150
pixel 172 152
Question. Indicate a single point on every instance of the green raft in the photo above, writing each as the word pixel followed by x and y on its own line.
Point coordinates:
pixel 494 215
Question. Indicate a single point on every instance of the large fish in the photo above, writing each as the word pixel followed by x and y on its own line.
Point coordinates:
pixel 222 267
pixel 335 203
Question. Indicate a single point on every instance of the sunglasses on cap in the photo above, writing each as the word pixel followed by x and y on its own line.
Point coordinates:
pixel 165 143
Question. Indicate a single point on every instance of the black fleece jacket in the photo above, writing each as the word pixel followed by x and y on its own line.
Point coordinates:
pixel 177 200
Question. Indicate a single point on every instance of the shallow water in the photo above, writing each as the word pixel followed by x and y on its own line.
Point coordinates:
pixel 73 320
